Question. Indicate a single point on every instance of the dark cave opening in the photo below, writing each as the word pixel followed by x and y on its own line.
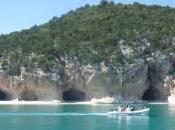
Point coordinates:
pixel 74 95
pixel 4 96
pixel 150 94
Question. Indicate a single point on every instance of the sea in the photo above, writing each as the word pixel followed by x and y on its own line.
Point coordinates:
pixel 84 117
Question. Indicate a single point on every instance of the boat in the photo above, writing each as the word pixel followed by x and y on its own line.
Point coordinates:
pixel 143 111
pixel 130 107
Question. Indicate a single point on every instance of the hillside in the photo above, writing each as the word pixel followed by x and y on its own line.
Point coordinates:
pixel 105 45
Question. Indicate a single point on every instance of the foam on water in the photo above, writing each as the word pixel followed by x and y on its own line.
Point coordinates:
pixel 53 114
pixel 158 103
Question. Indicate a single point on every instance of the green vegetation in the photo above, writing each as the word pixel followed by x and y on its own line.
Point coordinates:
pixel 89 35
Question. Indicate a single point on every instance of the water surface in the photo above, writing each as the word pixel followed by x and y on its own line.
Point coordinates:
pixel 83 117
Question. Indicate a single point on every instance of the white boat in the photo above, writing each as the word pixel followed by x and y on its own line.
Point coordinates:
pixel 142 111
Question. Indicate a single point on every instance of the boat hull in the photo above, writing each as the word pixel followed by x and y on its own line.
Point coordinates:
pixel 144 111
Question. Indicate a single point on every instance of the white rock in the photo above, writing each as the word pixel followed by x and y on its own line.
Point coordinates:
pixel 171 99
pixel 103 100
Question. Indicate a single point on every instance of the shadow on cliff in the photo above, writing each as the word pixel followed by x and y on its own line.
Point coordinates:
pixel 157 72
pixel 5 95
pixel 74 95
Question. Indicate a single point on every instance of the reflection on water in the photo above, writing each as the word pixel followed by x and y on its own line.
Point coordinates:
pixel 129 122
pixel 171 109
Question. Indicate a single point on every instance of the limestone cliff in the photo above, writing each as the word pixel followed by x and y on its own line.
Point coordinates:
pixel 137 81
pixel 94 51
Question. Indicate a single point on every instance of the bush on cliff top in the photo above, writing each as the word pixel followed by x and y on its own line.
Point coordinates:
pixel 90 34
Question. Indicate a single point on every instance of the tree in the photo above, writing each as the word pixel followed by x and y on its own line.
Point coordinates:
pixel 104 2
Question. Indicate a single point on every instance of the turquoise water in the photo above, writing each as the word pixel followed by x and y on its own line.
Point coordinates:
pixel 83 117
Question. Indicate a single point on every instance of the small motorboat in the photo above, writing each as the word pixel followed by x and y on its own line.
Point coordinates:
pixel 130 108
pixel 143 111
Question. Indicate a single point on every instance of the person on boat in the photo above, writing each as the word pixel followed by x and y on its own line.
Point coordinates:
pixel 128 108
pixel 132 109
pixel 123 109
pixel 119 108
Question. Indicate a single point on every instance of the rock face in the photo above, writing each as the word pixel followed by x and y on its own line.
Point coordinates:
pixel 7 91
pixel 158 70
pixel 30 89
pixel 97 84
pixel 137 84
pixel 142 80
pixel 136 81
pixel 38 88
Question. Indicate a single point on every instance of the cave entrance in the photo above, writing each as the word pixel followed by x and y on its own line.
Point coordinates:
pixel 74 95
pixel 150 94
pixel 4 95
